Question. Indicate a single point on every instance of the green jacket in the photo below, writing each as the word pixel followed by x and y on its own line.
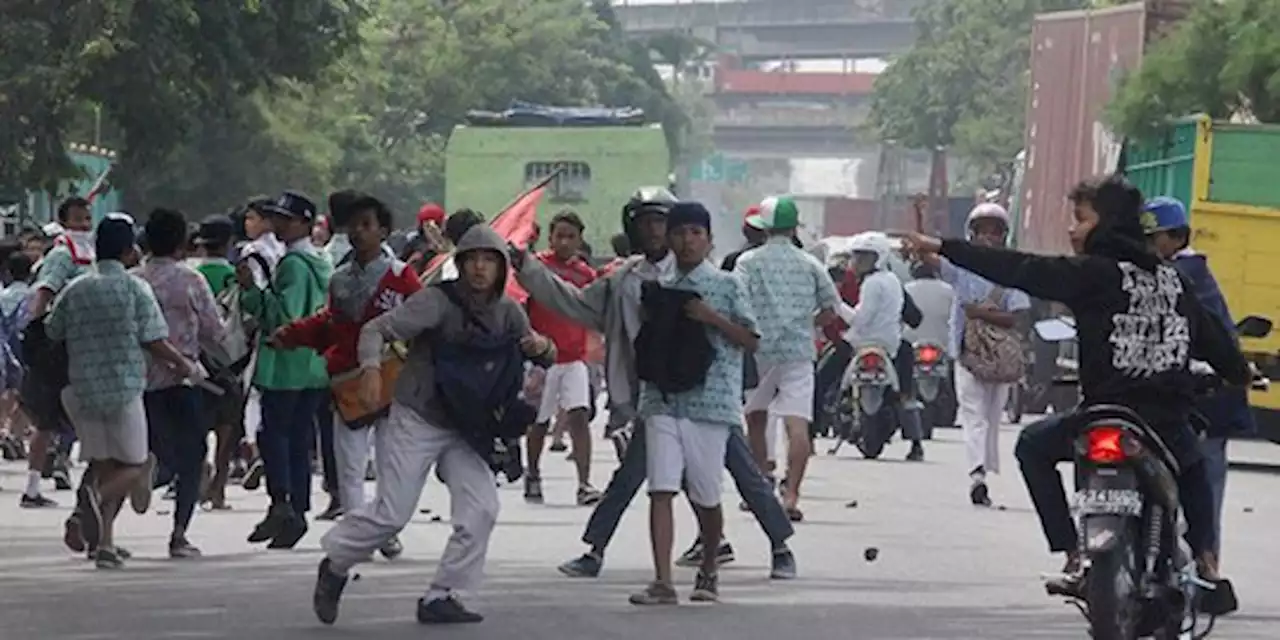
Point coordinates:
pixel 298 289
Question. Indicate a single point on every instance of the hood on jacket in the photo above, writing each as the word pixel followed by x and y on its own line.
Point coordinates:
pixel 479 238
pixel 1119 234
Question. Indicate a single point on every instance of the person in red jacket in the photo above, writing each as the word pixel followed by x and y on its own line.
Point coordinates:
pixel 567 385
pixel 360 290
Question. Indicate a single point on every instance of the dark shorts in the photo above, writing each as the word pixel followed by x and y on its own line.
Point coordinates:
pixel 42 402
pixel 227 409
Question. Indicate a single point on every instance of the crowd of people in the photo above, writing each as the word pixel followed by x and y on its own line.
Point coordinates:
pixel 299 339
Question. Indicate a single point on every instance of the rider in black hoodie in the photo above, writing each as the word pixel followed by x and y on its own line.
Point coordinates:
pixel 1138 326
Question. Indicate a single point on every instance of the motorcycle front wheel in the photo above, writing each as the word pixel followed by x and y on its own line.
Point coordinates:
pixel 1112 593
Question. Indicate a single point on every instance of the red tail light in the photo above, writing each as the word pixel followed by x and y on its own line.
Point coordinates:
pixel 870 361
pixel 1105 445
pixel 927 354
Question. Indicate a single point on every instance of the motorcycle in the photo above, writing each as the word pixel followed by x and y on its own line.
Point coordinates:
pixel 932 379
pixel 861 415
pixel 1139 576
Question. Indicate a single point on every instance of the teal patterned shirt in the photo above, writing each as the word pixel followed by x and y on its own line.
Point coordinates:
pixel 56 269
pixel 719 399
pixel 105 316
pixel 787 286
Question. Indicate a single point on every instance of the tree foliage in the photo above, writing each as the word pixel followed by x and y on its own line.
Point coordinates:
pixel 155 68
pixel 963 84
pixel 1222 60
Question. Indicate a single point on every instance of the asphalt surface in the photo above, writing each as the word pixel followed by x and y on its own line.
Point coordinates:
pixel 944 569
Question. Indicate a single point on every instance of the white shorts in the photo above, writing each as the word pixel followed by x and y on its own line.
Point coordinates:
pixel 785 390
pixel 568 387
pixel 121 437
pixel 688 454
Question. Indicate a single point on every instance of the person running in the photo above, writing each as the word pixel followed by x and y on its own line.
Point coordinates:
pixel 14 316
pixel 293 382
pixel 567 385
pixel 611 305
pixel 111 322
pixel 425 429
pixel 367 285
pixel 788 288
pixel 687 433
pixel 173 406
pixel 71 256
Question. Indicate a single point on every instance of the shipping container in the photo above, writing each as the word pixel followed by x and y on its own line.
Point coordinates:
pixel 1076 59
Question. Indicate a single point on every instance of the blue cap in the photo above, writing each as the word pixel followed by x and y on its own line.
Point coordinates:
pixel 685 212
pixel 1164 213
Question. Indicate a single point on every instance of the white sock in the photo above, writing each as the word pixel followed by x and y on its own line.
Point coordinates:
pixel 436 593
pixel 33 483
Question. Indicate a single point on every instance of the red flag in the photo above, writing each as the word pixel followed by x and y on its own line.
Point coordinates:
pixel 515 224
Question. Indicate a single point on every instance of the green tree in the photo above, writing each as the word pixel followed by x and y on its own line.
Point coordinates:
pixel 963 84
pixel 1223 59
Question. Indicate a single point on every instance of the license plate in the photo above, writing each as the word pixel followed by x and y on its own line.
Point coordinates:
pixel 1117 502
pixel 870 376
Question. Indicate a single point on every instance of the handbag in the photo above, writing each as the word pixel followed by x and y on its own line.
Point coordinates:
pixel 992 354
pixel 346 390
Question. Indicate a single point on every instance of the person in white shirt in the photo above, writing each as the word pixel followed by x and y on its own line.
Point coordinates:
pixel 876 320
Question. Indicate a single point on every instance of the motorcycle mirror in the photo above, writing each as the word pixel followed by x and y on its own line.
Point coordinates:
pixel 1055 330
pixel 1254 327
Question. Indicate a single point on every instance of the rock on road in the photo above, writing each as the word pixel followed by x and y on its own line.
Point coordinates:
pixel 945 569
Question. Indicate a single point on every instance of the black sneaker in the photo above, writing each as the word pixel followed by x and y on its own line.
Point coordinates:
pixel 533 489
pixel 586 565
pixel 693 557
pixel 979 495
pixel 916 454
pixel 328 593
pixel 392 548
pixel 557 447
pixel 291 532
pixel 36 502
pixel 62 480
pixel 706 588
pixel 334 511
pixel 447 610
pixel 784 565
pixel 182 549
pixel 270 526
pixel 108 559
pixel 589 496
pixel 253 477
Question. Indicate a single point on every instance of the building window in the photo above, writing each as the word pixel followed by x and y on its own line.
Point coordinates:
pixel 570 185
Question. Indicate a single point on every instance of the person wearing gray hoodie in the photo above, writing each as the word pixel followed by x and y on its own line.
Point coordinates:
pixel 420 433
pixel 611 305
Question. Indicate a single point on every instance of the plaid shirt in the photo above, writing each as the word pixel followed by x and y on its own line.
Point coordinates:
pixel 189 309
pixel 105 316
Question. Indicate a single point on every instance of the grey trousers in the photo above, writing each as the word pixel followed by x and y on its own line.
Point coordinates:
pixel 756 491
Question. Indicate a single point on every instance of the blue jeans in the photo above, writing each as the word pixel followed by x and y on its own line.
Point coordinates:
pixel 1215 464
pixel 285 441
pixel 625 483
pixel 178 435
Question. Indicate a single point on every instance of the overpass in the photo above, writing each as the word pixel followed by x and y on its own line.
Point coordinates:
pixel 755 30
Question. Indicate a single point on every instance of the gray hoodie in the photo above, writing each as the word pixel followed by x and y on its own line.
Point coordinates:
pixel 428 316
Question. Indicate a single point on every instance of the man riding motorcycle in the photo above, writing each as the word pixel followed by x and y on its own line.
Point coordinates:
pixel 1138 325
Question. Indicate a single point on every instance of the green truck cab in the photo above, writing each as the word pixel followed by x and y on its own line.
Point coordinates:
pixel 599 167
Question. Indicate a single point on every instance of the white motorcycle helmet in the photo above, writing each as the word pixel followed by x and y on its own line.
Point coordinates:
pixel 986 211
pixel 873 242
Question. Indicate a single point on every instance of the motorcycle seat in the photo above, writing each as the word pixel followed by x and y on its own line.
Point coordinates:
pixel 1129 420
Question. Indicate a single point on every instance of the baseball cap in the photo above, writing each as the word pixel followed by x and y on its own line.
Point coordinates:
pixel 778 213
pixel 1163 213
pixel 114 235
pixel 215 230
pixel 292 204
pixel 431 212
pixel 752 217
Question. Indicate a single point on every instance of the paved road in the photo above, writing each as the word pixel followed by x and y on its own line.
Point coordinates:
pixel 945 570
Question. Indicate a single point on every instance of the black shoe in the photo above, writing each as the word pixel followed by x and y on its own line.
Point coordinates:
pixel 334 511
pixel 291 532
pixel 446 610
pixel 1219 601
pixel 557 447
pixel 693 557
pixel 585 566
pixel 916 454
pixel 784 565
pixel 706 587
pixel 979 495
pixel 328 593
pixel 253 478
pixel 392 549
pixel 270 526
pixel 36 502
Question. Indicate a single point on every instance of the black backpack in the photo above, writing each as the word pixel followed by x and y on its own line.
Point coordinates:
pixel 478 383
pixel 673 351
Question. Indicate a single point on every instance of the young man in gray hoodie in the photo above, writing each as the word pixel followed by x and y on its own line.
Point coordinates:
pixel 421 433
pixel 611 305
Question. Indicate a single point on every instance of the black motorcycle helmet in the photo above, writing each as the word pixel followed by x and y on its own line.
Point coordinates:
pixel 645 200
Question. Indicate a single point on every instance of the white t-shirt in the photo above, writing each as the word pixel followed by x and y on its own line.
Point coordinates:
pixel 934 299
pixel 270 248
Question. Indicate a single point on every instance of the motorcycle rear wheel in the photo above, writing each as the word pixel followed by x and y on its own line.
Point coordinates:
pixel 1111 592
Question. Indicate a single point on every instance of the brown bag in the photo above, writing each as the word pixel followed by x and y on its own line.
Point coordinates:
pixel 991 353
pixel 346 391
